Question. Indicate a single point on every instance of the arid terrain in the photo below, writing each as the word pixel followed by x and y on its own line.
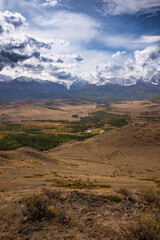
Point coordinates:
pixel 86 189
pixel 57 109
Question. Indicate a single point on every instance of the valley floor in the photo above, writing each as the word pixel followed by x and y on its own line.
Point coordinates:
pixel 97 183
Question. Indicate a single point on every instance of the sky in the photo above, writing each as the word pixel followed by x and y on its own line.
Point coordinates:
pixel 84 40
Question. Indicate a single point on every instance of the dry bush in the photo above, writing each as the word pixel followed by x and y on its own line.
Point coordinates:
pixel 147 227
pixel 44 206
pixel 151 196
pixel 124 191
pixel 56 194
pixel 37 207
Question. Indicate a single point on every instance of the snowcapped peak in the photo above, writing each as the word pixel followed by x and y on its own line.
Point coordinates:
pixel 116 81
pixel 78 84
pixel 24 79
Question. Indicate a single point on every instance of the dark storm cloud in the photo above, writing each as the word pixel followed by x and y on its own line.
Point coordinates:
pixel 65 76
pixel 9 58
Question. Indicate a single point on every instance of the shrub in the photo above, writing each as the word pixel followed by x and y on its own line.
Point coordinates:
pixel 75 116
pixel 151 196
pixel 111 198
pixel 45 206
pixel 37 207
pixel 147 227
pixel 124 191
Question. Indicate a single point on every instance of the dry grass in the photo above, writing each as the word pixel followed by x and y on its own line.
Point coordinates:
pixel 78 184
pixel 151 196
pixel 124 191
pixel 40 207
pixel 146 227
pixel 70 214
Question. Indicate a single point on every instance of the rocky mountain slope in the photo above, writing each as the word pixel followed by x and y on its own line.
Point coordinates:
pixel 120 89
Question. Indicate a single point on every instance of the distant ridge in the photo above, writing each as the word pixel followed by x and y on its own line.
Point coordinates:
pixel 115 88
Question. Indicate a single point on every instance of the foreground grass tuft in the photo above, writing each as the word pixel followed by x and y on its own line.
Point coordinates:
pixel 147 227
pixel 37 207
pixel 151 196
pixel 44 206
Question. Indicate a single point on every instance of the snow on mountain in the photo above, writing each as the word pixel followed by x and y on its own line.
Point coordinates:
pixel 155 80
pixel 116 81
pixel 24 79
pixel 78 84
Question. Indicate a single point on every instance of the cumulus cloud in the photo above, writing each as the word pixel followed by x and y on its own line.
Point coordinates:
pixel 23 54
pixel 118 7
pixel 146 63
pixel 142 66
pixel 10 21
pixel 60 60
pixel 15 46
pixel 118 54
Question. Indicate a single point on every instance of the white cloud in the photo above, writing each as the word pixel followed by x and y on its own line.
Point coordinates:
pixel 145 63
pixel 118 54
pixel 117 7
pixel 68 26
pixel 1 4
pixel 148 39
pixel 126 41
pixel 63 59
pixel 142 66
pixel 10 21
pixel 51 3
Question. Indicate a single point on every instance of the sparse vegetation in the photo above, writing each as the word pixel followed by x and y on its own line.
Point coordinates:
pixel 146 227
pixel 78 184
pixel 155 100
pixel 76 212
pixel 111 198
pixel 35 175
pixel 124 191
pixel 37 207
pixel 151 196
pixel 75 116
pixel 155 180
pixel 40 207
pixel 83 206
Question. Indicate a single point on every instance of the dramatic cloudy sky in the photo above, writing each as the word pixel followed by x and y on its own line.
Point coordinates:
pixel 92 40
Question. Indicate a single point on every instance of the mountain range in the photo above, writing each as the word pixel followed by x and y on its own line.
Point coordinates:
pixel 115 88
